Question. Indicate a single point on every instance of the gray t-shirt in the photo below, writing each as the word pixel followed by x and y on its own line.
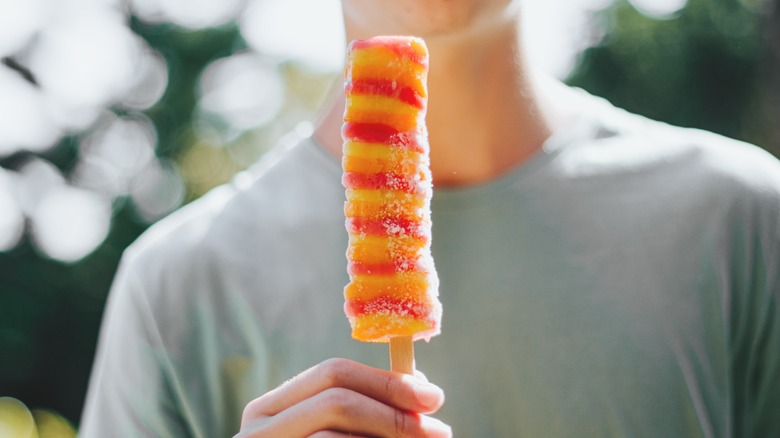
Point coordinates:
pixel 623 282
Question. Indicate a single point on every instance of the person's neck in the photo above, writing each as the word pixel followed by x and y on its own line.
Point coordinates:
pixel 483 117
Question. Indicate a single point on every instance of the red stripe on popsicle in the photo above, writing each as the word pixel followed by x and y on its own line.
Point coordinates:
pixel 389 226
pixel 401 48
pixel 379 133
pixel 355 267
pixel 386 304
pixel 385 181
pixel 385 87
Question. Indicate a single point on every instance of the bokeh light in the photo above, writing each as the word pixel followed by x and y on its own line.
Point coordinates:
pixel 197 14
pixel 16 421
pixel 149 81
pixel 52 425
pixel 112 155
pixel 27 124
pixel 556 31
pixel 659 8
pixel 83 60
pixel 158 190
pixel 19 21
pixel 34 180
pixel 239 93
pixel 69 223
pixel 11 217
pixel 280 29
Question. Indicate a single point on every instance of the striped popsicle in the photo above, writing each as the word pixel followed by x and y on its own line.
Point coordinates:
pixel 393 288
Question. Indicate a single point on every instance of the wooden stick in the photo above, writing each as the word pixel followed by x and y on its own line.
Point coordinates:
pixel 402 354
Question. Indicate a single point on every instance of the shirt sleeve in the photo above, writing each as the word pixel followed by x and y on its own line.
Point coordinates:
pixel 766 399
pixel 129 393
pixel 756 355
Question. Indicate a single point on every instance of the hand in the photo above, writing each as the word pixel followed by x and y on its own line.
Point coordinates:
pixel 340 397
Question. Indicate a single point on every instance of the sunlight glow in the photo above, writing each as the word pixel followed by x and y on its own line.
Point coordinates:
pixel 280 29
pixel 556 31
pixel 19 20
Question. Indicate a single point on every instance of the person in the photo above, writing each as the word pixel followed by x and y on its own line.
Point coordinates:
pixel 601 274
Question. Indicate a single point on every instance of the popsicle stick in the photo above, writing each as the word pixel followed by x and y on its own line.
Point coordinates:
pixel 402 354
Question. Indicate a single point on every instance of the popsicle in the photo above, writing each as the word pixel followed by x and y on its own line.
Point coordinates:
pixel 392 295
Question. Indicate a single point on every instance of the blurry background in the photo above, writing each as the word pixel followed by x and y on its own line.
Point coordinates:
pixel 114 113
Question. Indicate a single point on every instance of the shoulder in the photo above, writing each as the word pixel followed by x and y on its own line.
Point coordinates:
pixel 710 164
pixel 674 178
pixel 230 230
pixel 621 143
pixel 263 192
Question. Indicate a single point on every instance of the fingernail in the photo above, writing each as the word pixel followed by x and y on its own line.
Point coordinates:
pixel 435 428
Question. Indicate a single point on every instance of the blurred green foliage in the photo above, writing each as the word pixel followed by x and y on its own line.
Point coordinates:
pixel 710 65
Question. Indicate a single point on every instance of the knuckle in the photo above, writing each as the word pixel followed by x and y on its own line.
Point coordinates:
pixel 334 371
pixel 402 424
pixel 339 402
pixel 254 428
pixel 390 383
pixel 251 411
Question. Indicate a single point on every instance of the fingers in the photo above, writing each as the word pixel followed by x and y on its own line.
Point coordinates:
pixel 339 397
pixel 398 390
pixel 331 434
pixel 340 410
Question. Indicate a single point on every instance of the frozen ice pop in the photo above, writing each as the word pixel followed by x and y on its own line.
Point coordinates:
pixel 393 288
